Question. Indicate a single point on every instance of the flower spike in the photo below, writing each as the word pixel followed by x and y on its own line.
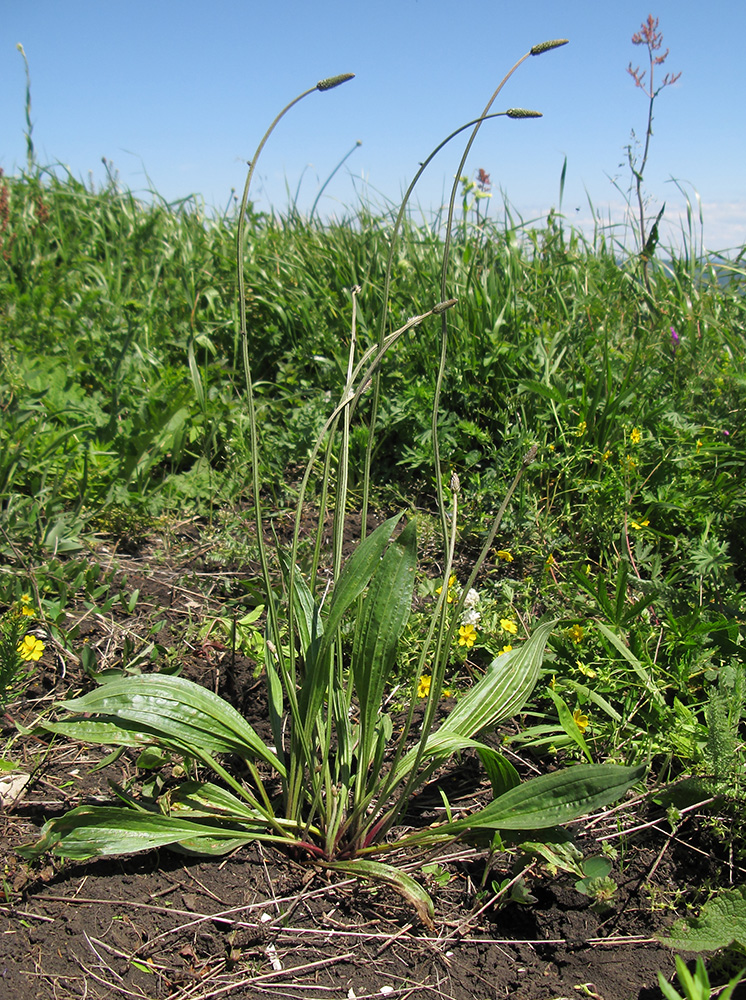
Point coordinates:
pixel 546 46
pixel 334 81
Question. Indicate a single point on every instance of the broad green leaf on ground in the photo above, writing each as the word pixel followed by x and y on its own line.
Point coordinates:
pixel 172 710
pixel 203 799
pixel 98 831
pixel 721 923
pixel 552 799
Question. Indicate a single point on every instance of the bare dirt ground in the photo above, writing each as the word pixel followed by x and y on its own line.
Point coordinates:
pixel 258 923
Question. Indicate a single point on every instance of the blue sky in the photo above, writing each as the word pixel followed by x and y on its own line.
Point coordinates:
pixel 177 94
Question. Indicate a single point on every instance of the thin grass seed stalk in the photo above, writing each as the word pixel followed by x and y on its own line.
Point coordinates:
pixel 333 782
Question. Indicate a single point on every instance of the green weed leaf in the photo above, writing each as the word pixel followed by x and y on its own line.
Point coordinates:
pixel 99 831
pixel 722 922
pixel 156 708
pixel 552 799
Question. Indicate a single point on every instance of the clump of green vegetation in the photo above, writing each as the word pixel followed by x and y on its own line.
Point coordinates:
pixel 128 391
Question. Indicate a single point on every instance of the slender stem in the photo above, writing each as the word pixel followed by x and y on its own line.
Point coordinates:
pixel 326 182
pixel 293 787
pixel 384 309
pixel 253 435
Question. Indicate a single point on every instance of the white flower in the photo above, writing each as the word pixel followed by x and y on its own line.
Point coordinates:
pixel 472 599
pixel 470 617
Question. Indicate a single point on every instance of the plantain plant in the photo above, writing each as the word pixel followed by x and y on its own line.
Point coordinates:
pixel 335 781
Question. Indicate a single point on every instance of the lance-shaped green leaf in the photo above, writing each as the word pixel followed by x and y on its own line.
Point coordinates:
pixel 636 665
pixel 568 723
pixel 384 614
pixel 98 831
pixel 306 615
pixel 551 799
pixel 353 580
pixel 502 692
pixel 356 574
pixel 503 776
pixel 404 884
pixel 205 800
pixel 170 710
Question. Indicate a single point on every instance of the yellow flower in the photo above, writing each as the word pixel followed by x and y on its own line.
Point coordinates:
pixel 580 429
pixel 423 686
pixel 581 720
pixel 506 649
pixel 639 525
pixel 504 555
pixel 585 671
pixel 467 636
pixel 25 598
pixel 576 633
pixel 699 445
pixel 508 626
pixel 630 463
pixel 30 648
pixel 549 560
pixel 635 435
pixel 29 612
pixel 606 456
pixel 449 593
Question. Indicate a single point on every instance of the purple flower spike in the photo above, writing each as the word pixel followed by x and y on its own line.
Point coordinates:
pixel 675 339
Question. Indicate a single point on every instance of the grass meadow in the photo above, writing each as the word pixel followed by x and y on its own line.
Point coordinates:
pixel 122 407
pixel 123 412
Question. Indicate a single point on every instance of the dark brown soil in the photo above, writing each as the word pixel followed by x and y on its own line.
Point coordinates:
pixel 258 923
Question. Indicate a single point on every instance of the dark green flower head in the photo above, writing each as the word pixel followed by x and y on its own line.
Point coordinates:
pixel 546 46
pixel 523 113
pixel 334 81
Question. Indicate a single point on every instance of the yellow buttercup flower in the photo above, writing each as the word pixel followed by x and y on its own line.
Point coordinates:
pixel 506 649
pixel 504 555
pixel 639 525
pixel 467 636
pixel 576 633
pixel 449 592
pixel 30 648
pixel 635 436
pixel 581 720
pixel 423 686
pixel 508 626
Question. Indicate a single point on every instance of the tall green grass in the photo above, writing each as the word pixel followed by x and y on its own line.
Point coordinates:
pixel 121 352
pixel 121 389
